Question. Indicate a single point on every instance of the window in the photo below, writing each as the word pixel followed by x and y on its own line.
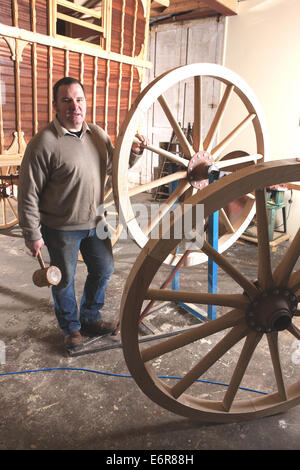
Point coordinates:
pixel 80 19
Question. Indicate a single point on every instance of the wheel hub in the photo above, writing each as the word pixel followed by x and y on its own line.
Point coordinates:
pixel 198 169
pixel 272 310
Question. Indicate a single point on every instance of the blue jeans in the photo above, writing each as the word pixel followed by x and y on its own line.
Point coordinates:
pixel 63 247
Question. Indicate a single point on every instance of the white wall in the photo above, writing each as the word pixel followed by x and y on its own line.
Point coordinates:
pixel 263 47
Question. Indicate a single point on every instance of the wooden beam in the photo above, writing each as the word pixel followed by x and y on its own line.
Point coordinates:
pixel 176 7
pixel 71 45
pixel 160 3
pixel 224 7
pixel 179 6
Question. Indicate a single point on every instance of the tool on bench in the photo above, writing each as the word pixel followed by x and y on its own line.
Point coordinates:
pixel 46 276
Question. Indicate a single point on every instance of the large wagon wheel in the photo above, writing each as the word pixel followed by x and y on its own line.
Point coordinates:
pixel 8 199
pixel 262 315
pixel 196 159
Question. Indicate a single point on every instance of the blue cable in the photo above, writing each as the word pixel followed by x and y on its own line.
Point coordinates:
pixel 121 375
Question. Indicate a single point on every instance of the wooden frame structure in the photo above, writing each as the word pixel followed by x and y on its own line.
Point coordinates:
pixel 33 56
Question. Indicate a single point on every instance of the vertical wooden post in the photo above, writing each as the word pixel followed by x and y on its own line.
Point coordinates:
pixel 120 68
pixel 67 62
pixel 132 53
pixel 52 18
pixel 15 10
pixel 82 68
pixel 18 92
pixel 107 14
pixel 106 94
pixel 52 32
pixel 50 82
pixel 146 39
pixel 34 69
pixel 94 108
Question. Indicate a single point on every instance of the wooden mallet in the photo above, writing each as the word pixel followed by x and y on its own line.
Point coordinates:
pixel 46 276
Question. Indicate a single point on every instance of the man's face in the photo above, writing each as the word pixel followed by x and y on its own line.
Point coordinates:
pixel 70 106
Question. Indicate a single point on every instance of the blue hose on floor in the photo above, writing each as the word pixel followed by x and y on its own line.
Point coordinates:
pixel 120 375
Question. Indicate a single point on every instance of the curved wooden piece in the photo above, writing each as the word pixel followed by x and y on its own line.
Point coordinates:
pixel 232 332
pixel 251 120
pixel 8 214
pixel 8 200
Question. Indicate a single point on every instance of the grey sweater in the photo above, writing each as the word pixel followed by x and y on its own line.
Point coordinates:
pixel 62 178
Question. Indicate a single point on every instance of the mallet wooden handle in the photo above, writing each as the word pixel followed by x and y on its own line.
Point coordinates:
pixel 41 261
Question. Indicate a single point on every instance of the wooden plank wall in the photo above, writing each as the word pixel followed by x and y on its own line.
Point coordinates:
pixel 29 69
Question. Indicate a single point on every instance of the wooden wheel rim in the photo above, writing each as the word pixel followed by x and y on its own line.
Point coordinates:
pixel 9 216
pixel 145 100
pixel 148 263
pixel 112 215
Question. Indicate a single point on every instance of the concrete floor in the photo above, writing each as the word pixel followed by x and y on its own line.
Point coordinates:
pixel 71 409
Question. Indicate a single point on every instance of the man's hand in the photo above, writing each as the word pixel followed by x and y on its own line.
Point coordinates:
pixel 139 147
pixel 35 246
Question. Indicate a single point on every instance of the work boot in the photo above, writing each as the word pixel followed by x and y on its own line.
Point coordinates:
pixel 74 340
pixel 99 328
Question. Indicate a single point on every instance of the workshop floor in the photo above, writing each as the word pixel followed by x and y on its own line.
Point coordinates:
pixel 80 409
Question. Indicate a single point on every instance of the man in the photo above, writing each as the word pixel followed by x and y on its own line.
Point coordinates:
pixel 61 188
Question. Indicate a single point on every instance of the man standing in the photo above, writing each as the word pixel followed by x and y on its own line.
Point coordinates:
pixel 61 188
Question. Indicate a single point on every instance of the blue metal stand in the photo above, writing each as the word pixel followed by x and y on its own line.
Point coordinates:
pixel 213 239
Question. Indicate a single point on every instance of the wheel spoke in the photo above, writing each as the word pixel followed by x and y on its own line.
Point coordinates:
pixel 110 203
pixel 294 281
pixel 228 139
pixel 228 320
pixel 294 330
pixel 197 136
pixel 223 263
pixel 265 278
pixel 238 161
pixel 283 270
pixel 106 179
pixel 9 214
pixel 208 142
pixel 178 175
pixel 181 188
pixel 12 207
pixel 251 342
pixel 112 213
pixel 273 347
pixel 4 210
pixel 112 228
pixel 165 153
pixel 233 337
pixel 226 222
pixel 108 193
pixel 185 145
pixel 226 300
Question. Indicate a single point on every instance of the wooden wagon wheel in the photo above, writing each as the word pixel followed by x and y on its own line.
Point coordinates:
pixel 8 199
pixel 112 215
pixel 262 314
pixel 197 158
